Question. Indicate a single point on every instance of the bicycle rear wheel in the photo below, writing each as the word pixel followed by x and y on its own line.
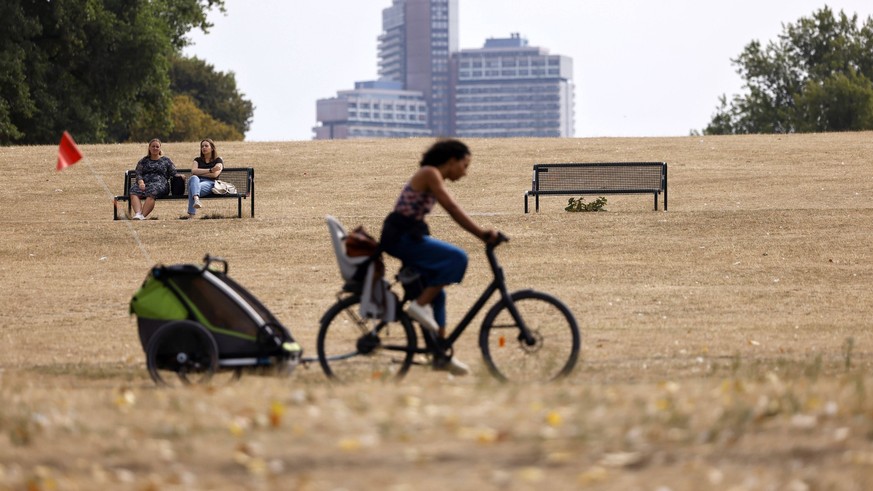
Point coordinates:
pixel 351 348
pixel 556 342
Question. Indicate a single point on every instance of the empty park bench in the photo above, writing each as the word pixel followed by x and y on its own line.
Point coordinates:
pixel 243 178
pixel 597 179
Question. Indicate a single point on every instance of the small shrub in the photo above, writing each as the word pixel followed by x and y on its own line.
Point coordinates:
pixel 580 204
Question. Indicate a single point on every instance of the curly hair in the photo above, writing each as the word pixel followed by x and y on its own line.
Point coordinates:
pixel 444 150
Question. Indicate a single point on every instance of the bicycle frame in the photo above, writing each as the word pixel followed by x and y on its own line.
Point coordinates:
pixel 388 346
pixel 497 284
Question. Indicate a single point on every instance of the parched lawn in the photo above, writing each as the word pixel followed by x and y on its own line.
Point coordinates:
pixel 726 343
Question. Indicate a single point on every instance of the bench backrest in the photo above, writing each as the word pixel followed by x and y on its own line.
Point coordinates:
pixel 241 177
pixel 601 176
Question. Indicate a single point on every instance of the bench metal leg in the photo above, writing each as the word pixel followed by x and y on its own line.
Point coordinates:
pixel 665 186
pixel 525 202
pixel 115 208
pixel 656 201
pixel 239 206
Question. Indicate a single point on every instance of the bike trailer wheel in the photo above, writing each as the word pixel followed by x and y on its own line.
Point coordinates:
pixel 182 352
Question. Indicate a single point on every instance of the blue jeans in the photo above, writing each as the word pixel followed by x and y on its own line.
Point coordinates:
pixel 438 262
pixel 198 187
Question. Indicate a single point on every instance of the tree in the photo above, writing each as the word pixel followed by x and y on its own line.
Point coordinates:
pixel 97 67
pixel 16 96
pixel 815 77
pixel 214 92
pixel 842 101
pixel 190 123
pixel 183 15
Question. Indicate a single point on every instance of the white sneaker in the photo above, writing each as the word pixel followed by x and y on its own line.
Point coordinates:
pixel 424 315
pixel 197 203
pixel 138 216
pixel 454 366
pixel 457 367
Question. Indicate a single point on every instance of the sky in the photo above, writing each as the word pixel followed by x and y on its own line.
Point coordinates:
pixel 640 68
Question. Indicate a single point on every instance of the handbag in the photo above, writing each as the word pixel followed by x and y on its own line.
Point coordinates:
pixel 177 185
pixel 360 243
pixel 223 187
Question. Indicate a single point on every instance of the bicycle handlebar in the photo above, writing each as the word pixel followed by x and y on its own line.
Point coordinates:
pixel 501 238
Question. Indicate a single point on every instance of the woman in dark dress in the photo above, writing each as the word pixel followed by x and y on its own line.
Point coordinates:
pixel 152 174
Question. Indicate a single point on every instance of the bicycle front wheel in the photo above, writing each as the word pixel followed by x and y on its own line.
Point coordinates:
pixel 555 344
pixel 352 348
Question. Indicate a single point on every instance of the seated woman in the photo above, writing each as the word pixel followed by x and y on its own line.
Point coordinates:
pixel 203 176
pixel 152 174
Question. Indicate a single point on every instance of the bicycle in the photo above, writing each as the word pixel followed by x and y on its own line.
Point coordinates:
pixel 526 335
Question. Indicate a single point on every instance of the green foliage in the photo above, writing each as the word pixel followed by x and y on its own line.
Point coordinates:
pixel 84 65
pixel 815 77
pixel 214 92
pixel 99 68
pixel 190 123
pixel 181 16
pixel 575 205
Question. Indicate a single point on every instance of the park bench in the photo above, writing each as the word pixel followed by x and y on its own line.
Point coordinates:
pixel 241 177
pixel 598 179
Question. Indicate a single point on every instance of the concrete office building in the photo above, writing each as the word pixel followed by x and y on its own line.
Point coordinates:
pixel 392 43
pixel 510 89
pixel 415 47
pixel 431 30
pixel 504 89
pixel 380 109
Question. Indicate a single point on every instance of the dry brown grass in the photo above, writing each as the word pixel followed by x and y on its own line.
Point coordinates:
pixel 726 344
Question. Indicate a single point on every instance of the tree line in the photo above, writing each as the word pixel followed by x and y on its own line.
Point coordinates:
pixel 816 77
pixel 112 71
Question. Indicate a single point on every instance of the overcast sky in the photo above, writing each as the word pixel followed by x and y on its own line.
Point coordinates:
pixel 640 68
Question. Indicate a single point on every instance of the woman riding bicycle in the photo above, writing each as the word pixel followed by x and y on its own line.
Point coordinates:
pixel 405 234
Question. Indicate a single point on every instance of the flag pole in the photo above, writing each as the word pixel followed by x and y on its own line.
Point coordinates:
pixel 130 228
pixel 69 154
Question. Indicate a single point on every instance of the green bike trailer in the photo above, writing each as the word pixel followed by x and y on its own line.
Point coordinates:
pixel 195 321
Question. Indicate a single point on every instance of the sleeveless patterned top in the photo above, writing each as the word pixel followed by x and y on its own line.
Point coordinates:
pixel 414 204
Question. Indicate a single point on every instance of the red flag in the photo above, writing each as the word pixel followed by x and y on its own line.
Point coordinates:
pixel 68 152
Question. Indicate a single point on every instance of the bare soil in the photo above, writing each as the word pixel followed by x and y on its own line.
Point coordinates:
pixel 726 343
